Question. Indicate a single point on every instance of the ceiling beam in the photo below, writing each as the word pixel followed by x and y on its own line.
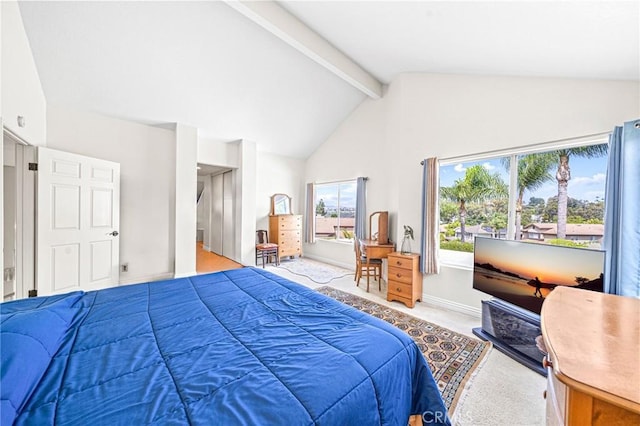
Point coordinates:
pixel 290 29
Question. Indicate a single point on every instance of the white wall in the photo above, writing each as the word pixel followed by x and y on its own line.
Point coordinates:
pixel 426 115
pixel 358 148
pixel 147 205
pixel 245 181
pixel 1 138
pixel 21 89
pixel 218 153
pixel 278 175
pixel 186 160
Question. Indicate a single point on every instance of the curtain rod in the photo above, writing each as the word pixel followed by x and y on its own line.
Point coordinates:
pixel 536 147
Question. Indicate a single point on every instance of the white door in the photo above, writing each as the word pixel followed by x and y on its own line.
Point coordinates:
pixel 228 222
pixel 217 208
pixel 77 220
pixel 9 243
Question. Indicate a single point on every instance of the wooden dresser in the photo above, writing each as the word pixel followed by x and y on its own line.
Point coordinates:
pixel 593 360
pixel 405 279
pixel 286 231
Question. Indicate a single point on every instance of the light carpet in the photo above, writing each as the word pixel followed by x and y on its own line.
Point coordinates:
pixel 452 357
pixel 318 272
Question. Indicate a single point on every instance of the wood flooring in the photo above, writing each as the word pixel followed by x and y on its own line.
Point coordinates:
pixel 207 261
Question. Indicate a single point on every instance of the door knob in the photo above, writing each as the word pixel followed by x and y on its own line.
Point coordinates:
pixel 114 233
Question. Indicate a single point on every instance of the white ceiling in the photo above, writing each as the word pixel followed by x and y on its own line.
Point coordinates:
pixel 205 64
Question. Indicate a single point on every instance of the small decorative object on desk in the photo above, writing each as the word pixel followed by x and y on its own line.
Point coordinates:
pixel 406 244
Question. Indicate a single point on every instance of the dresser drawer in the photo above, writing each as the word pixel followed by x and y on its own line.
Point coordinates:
pixel 289 245
pixel 404 276
pixel 401 262
pixel 289 237
pixel 400 289
pixel 289 251
pixel 289 222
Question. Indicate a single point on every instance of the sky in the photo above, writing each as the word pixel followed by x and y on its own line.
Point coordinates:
pixel 329 194
pixel 587 182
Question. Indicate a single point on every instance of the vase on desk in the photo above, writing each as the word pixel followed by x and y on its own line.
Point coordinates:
pixel 406 246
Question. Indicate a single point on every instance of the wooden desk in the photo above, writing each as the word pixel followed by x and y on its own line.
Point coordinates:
pixel 593 344
pixel 374 250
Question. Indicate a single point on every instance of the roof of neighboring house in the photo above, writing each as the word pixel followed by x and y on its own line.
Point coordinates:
pixel 327 225
pixel 572 228
pixel 474 229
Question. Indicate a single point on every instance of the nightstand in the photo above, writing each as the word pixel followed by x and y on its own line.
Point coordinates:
pixel 404 278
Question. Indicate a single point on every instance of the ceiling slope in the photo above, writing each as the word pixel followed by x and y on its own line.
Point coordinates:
pixel 199 63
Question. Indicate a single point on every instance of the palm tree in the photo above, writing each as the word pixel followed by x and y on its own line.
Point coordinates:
pixel 533 172
pixel 477 185
pixel 563 175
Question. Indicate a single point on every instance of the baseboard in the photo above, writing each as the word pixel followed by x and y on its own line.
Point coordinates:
pixel 206 248
pixel 454 306
pixel 185 274
pixel 146 279
pixel 348 266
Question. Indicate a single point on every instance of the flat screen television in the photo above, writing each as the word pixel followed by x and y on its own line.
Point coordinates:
pixel 524 273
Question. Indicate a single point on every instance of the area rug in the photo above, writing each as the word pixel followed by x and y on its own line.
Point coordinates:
pixel 453 357
pixel 318 272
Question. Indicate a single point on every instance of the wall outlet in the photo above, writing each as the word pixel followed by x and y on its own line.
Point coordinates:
pixel 124 267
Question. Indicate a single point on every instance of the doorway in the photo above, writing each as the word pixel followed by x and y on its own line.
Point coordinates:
pixel 215 235
pixel 18 195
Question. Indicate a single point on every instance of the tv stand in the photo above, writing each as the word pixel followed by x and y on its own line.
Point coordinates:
pixel 513 332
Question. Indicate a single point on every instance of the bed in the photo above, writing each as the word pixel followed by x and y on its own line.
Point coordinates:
pixel 236 347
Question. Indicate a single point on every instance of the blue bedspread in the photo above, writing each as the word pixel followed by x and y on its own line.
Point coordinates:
pixel 236 347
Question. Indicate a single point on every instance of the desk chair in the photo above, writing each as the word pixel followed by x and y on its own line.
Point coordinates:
pixel 265 249
pixel 373 266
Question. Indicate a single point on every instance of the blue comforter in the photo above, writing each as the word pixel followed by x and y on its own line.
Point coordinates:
pixel 236 347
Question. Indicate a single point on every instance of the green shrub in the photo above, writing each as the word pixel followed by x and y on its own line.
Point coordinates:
pixel 348 235
pixel 457 246
pixel 566 243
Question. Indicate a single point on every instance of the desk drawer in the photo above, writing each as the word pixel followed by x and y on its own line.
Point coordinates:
pixel 404 276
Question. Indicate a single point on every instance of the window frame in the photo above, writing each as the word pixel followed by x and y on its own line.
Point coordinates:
pixel 338 237
pixel 464 260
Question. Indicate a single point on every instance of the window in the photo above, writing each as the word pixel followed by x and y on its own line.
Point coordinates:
pixel 335 205
pixel 550 196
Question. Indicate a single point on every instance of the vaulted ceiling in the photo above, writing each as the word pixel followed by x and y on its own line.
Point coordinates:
pixel 237 73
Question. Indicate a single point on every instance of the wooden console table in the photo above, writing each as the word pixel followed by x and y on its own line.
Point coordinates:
pixel 593 360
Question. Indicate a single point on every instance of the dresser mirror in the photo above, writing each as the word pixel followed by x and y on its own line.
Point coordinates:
pixel 280 204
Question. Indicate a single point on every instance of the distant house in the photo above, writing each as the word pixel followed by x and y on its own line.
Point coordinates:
pixel 480 231
pixel 326 227
pixel 583 232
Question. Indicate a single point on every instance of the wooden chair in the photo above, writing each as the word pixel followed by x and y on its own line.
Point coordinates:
pixel 264 249
pixel 374 266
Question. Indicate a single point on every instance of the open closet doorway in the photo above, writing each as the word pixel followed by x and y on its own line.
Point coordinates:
pixel 18 192
pixel 215 229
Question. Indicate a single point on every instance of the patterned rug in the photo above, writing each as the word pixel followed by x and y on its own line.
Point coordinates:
pixel 452 356
pixel 318 272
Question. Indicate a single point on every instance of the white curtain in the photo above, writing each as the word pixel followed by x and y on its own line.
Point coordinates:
pixel 310 216
pixel 430 241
